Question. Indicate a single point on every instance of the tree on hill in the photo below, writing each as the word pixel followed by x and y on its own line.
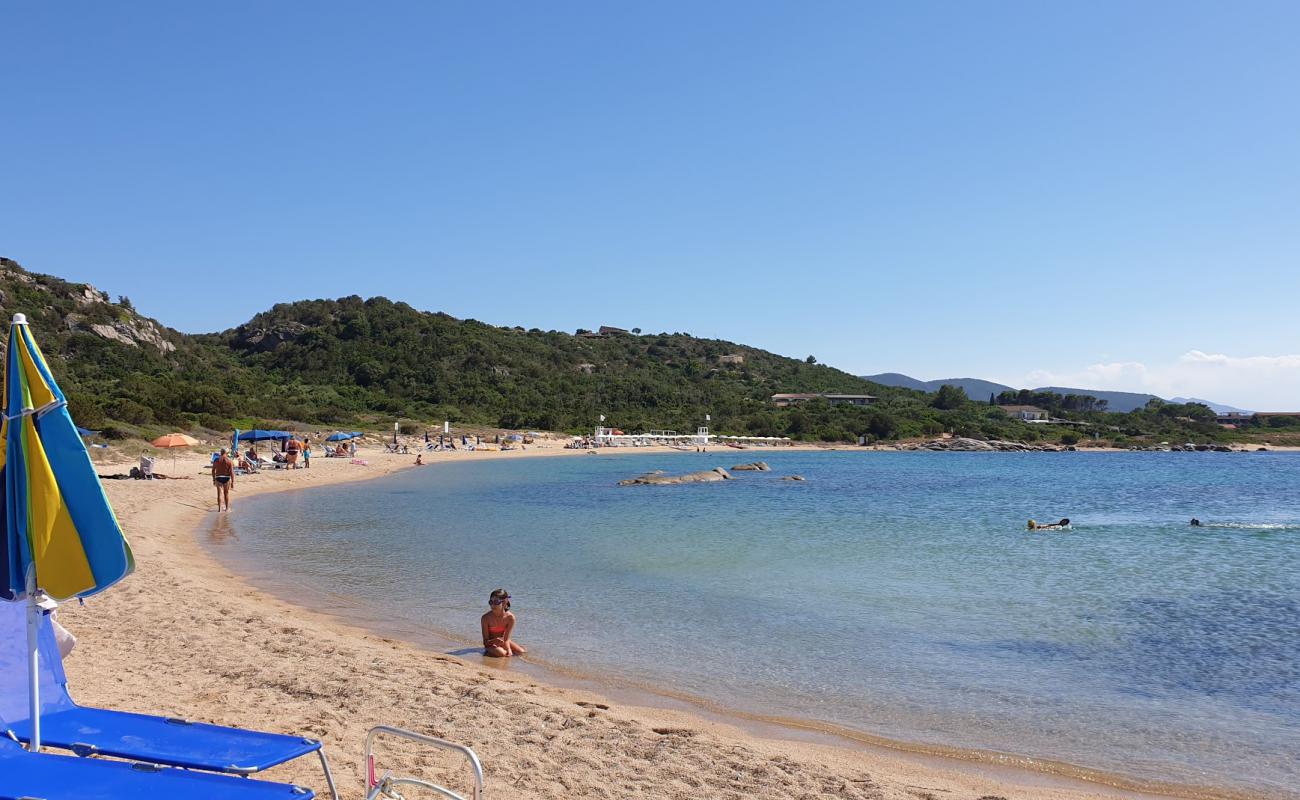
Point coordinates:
pixel 949 397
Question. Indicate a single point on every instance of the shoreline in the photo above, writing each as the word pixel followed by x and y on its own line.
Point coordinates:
pixel 168 541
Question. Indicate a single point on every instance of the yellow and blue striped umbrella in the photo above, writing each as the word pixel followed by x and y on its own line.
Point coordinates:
pixel 61 537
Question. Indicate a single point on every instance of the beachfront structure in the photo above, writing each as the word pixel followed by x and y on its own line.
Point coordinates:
pixel 796 398
pixel 611 437
pixel 1240 419
pixel 1234 419
pixel 1026 413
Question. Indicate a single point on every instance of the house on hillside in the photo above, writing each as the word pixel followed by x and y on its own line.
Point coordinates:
pixel 608 330
pixel 1026 413
pixel 796 398
pixel 1276 418
pixel 731 359
pixel 1233 419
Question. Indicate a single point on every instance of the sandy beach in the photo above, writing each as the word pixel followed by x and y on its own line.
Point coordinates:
pixel 184 636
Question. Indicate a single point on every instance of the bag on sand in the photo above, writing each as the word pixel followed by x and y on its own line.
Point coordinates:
pixel 62 636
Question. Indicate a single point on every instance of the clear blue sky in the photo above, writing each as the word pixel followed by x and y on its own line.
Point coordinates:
pixel 1010 190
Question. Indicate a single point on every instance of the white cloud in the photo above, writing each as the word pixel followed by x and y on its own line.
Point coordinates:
pixel 1261 383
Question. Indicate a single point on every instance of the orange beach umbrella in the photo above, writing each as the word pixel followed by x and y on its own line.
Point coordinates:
pixel 171 440
pixel 174 440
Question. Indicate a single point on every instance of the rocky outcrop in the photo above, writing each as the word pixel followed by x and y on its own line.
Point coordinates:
pixel 133 332
pixel 659 479
pixel 755 466
pixel 264 339
pixel 959 444
pixel 962 445
pixel 793 478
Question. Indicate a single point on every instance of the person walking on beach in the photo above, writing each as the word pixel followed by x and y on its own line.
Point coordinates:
pixel 498 624
pixel 306 454
pixel 223 477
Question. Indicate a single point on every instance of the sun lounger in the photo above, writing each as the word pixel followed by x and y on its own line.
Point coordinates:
pixel 138 737
pixel 47 776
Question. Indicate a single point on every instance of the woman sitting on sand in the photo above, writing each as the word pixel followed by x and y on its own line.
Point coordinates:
pixel 498 623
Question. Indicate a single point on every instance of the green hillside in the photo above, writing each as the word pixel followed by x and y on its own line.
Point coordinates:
pixel 354 356
pixel 336 363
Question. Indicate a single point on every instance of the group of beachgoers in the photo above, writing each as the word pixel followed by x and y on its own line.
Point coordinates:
pixel 226 464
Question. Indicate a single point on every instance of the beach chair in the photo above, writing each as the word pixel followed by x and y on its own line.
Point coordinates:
pixel 388 784
pixel 47 776
pixel 139 737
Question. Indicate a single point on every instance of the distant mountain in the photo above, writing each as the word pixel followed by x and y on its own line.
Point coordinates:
pixel 1218 408
pixel 900 380
pixel 1115 401
pixel 977 389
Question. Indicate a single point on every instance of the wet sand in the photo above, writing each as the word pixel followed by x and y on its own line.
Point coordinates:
pixel 186 636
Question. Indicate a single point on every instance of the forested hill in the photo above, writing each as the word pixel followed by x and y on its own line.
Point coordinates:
pixel 385 356
pixel 336 362
pixel 353 362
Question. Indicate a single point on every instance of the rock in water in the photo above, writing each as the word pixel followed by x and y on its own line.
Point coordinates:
pixel 707 476
pixel 755 466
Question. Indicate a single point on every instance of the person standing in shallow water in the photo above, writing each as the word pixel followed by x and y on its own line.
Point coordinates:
pixel 223 477
pixel 498 624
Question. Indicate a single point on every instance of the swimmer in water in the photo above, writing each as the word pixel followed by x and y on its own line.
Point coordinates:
pixel 1196 523
pixel 1049 526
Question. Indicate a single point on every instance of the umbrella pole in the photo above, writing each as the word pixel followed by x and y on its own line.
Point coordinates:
pixel 33 660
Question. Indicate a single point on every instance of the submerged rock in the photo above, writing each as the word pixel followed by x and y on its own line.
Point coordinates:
pixel 793 478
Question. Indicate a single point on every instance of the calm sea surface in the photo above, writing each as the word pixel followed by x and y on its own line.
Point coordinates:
pixel 893 593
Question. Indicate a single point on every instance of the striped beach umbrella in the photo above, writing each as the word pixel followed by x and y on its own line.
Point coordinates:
pixel 61 537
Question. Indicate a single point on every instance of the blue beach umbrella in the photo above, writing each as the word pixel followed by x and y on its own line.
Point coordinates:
pixel 342 437
pixel 61 537
pixel 261 436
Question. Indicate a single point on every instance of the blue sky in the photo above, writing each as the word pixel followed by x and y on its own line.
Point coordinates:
pixel 1022 191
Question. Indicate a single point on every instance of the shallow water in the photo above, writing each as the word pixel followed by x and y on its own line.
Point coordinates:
pixel 893 593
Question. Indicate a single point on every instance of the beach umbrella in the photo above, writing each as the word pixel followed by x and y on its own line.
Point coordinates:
pixel 342 437
pixel 61 538
pixel 261 436
pixel 170 441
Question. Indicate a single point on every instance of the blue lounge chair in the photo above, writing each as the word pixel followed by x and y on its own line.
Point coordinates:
pixel 119 734
pixel 45 776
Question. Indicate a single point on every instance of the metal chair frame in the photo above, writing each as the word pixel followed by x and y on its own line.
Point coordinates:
pixel 386 785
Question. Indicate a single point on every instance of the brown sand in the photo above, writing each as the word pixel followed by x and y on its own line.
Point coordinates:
pixel 184 636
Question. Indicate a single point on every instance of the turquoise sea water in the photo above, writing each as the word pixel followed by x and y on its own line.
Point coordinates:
pixel 893 593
